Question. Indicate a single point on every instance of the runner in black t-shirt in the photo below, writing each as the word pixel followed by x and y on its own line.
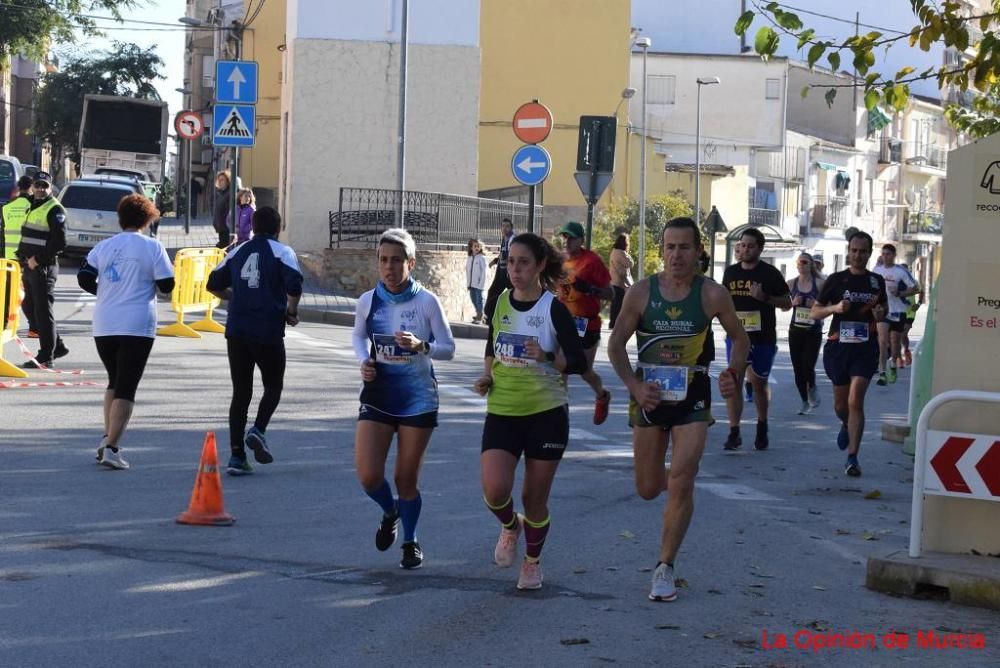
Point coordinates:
pixel 757 289
pixel 856 299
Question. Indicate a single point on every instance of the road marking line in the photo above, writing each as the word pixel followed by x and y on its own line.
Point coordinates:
pixel 578 434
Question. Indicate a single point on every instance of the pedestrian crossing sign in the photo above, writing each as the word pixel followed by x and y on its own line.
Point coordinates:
pixel 234 125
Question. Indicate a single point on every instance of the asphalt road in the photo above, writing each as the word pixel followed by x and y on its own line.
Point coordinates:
pixel 95 572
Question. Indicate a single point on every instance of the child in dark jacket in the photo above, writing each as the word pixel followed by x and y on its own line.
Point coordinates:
pixel 246 204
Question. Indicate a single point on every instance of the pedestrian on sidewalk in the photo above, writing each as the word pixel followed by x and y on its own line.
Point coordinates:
pixel 475 277
pixel 13 215
pixel 501 281
pixel 246 204
pixel 125 272
pixel 262 282
pixel 532 344
pixel 220 210
pixel 399 327
pixel 621 274
pixel 805 333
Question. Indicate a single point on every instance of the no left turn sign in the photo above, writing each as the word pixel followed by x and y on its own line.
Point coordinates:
pixel 189 125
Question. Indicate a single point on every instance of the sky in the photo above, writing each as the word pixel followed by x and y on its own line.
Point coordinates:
pixel 169 42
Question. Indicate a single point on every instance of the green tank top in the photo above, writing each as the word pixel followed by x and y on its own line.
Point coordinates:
pixel 673 333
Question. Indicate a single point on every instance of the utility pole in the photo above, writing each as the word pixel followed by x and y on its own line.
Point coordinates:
pixel 404 47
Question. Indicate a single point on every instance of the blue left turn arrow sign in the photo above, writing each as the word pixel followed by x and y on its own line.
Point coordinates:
pixel 531 164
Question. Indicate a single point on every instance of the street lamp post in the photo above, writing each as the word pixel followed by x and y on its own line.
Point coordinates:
pixel 643 43
pixel 702 81
pixel 404 47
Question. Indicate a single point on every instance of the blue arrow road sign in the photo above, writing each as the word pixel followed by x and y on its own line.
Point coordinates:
pixel 531 164
pixel 236 81
pixel 233 125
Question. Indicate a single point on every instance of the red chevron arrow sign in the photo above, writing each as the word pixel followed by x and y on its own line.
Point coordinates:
pixel 963 465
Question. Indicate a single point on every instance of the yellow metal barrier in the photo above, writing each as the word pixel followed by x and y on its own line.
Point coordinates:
pixel 10 305
pixel 191 269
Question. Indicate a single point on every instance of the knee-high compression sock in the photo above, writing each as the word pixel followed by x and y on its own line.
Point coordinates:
pixel 534 536
pixel 409 513
pixel 504 512
pixel 382 495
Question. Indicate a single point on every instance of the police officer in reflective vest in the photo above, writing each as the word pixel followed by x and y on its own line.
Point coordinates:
pixel 12 217
pixel 43 237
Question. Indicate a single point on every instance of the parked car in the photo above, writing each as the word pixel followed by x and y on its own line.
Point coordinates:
pixel 10 171
pixel 91 203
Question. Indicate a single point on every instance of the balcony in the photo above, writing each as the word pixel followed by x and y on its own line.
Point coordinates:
pixel 922 223
pixel 890 151
pixel 831 212
pixel 759 217
pixel 926 158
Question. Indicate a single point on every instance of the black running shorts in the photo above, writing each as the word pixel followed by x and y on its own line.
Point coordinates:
pixel 539 436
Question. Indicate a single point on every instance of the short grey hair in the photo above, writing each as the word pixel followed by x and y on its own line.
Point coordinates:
pixel 400 237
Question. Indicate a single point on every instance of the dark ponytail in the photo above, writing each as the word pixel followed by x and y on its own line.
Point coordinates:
pixel 543 252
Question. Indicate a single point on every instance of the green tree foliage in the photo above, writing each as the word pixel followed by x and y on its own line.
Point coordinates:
pixel 937 23
pixel 127 70
pixel 29 27
pixel 622 216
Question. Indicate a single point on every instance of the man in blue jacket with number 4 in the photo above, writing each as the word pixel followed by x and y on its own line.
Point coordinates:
pixel 263 283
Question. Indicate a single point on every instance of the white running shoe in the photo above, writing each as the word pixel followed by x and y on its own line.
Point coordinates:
pixel 530 576
pixel 506 549
pixel 813 397
pixel 806 408
pixel 113 459
pixel 100 448
pixel 663 588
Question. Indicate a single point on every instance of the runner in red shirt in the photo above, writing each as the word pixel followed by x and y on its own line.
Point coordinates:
pixel 587 282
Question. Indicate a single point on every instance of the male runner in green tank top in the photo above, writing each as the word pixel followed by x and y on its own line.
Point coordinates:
pixel 671 393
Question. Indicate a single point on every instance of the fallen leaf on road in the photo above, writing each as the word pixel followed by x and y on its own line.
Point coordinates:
pixel 874 494
pixel 715 591
pixel 756 586
pixel 749 643
pixel 681 582
pixel 763 575
pixel 627 534
pixel 579 571
pixel 819 625
pixel 667 627
pixel 843 532
pixel 711 636
pixel 574 641
pixel 611 568
pixel 868 535
pixel 815 512
pixel 819 588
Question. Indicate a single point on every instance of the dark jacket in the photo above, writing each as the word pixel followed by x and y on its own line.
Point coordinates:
pixel 220 210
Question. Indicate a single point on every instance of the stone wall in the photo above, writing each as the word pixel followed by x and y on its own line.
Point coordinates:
pixel 352 271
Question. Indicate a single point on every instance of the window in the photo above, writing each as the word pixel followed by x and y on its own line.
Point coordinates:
pixel 95 198
pixel 661 89
pixel 772 89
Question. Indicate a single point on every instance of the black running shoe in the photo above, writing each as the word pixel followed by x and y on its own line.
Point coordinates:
pixel 734 441
pixel 760 442
pixel 386 534
pixel 413 556
pixel 853 469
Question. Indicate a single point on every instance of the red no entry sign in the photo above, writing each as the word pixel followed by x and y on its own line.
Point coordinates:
pixel 532 122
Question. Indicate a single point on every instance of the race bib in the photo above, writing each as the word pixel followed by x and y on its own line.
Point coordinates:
pixel 853 332
pixel 802 318
pixel 672 381
pixel 895 317
pixel 387 351
pixel 581 325
pixel 750 320
pixel 509 349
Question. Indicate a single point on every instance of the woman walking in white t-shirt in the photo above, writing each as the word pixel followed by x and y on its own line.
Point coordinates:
pixel 475 276
pixel 124 272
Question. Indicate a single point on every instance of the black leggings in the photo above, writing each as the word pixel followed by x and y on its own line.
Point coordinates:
pixel 616 303
pixel 243 356
pixel 803 346
pixel 125 359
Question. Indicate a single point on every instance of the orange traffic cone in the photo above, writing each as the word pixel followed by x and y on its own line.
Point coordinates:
pixel 206 500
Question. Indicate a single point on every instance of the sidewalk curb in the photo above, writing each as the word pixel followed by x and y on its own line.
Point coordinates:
pixel 459 330
pixel 968 579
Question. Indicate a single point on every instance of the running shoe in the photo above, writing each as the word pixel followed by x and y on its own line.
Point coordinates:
pixel 882 380
pixel 36 364
pixel 734 441
pixel 760 441
pixel 506 550
pixel 601 405
pixel 806 408
pixel 843 437
pixel 387 529
pixel 663 588
pixel 255 441
pixel 813 397
pixel 413 556
pixel 891 374
pixel 748 387
pixel 908 358
pixel 60 351
pixel 101 446
pixel 530 576
pixel 238 466
pixel 853 469
pixel 113 459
